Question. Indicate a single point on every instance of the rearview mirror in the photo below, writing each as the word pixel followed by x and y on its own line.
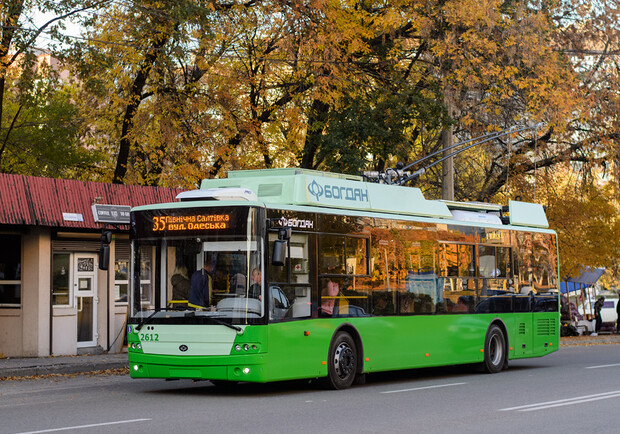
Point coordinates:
pixel 104 257
pixel 104 250
pixel 279 253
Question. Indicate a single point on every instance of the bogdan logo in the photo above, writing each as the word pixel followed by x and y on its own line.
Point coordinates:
pixel 315 190
pixel 337 192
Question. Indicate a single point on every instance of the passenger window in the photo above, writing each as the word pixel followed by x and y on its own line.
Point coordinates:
pixel 467 261
pixel 356 249
pixel 276 273
pixel 448 257
pixel 343 255
pixel 503 262
pixel 488 264
pixel 332 254
pixel 298 262
pixel 290 301
pixel 279 304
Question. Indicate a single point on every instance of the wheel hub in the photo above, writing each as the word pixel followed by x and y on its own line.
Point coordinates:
pixel 344 360
pixel 495 350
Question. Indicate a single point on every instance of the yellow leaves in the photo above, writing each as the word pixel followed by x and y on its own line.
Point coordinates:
pixel 587 219
pixel 473 13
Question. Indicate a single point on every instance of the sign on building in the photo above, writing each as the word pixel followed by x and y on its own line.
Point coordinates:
pixel 111 213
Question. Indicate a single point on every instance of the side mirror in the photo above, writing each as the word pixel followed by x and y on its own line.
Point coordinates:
pixel 104 257
pixel 104 250
pixel 106 237
pixel 279 253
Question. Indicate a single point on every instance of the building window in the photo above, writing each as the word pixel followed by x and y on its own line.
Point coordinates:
pixel 61 279
pixel 10 270
pixel 121 271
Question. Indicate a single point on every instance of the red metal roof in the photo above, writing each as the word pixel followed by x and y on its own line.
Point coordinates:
pixel 29 200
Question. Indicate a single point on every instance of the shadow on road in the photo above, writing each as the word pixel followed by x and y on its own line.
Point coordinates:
pixel 231 389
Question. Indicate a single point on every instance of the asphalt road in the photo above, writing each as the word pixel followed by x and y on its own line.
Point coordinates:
pixel 575 390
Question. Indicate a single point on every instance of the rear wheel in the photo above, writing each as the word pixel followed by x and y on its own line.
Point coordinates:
pixel 342 362
pixel 495 356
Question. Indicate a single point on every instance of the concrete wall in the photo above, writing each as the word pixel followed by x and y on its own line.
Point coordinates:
pixel 64 326
pixel 11 333
pixel 36 292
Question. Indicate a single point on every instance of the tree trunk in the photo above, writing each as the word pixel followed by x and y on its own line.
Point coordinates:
pixel 135 98
pixel 316 125
pixel 11 18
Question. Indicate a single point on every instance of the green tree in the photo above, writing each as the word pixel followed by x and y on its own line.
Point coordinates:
pixel 38 131
pixel 43 138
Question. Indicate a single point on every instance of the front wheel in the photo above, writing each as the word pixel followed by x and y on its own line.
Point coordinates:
pixel 224 384
pixel 495 356
pixel 342 362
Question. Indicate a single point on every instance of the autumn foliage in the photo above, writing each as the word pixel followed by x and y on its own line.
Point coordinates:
pixel 167 92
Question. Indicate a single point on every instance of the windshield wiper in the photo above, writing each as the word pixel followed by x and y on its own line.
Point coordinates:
pixel 215 320
pixel 145 320
pixel 224 323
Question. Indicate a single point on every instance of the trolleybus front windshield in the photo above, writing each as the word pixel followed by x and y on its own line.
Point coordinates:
pixel 197 265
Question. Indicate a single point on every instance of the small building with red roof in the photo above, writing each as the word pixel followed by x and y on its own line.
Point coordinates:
pixel 54 299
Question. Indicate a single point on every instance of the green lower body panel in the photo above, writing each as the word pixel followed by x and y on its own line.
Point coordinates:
pixel 232 368
pixel 299 349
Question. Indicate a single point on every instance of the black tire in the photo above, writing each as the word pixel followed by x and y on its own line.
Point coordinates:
pixel 495 356
pixel 223 384
pixel 341 362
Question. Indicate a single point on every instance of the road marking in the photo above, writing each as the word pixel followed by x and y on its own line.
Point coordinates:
pixel 602 366
pixel 424 388
pixel 564 402
pixel 84 426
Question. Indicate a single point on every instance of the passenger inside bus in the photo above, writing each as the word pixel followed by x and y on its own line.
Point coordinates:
pixel 180 285
pixel 255 287
pixel 201 285
pixel 329 295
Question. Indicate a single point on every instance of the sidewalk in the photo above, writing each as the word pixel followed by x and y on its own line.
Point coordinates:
pixel 601 339
pixel 29 366
pixel 24 367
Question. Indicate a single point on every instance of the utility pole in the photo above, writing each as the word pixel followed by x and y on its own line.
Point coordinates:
pixel 447 141
pixel 447 167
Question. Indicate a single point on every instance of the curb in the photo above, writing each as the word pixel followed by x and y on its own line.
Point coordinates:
pixel 60 369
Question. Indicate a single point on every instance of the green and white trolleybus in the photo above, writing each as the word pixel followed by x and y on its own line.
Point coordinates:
pixel 319 275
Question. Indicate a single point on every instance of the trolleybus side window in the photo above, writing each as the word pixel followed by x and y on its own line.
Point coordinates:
pixel 290 291
pixel 146 274
pixel 343 266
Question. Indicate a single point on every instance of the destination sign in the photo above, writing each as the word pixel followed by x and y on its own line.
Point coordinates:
pixel 211 222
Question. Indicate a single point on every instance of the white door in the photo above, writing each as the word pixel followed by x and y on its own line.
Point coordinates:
pixel 85 291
